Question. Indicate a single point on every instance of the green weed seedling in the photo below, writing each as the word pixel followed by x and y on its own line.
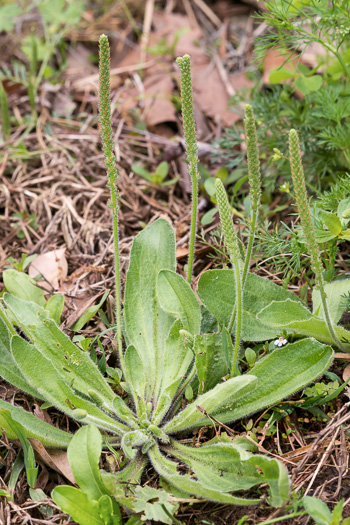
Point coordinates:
pixel 168 344
pixel 158 176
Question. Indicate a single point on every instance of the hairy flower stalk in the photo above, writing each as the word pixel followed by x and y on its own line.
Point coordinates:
pixel 307 225
pixel 231 242
pixel 254 180
pixel 189 126
pixel 112 172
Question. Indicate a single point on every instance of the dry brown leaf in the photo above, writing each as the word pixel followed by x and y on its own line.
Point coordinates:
pixel 346 373
pixel 211 91
pixel 53 458
pixel 52 266
pixel 158 107
pixel 341 355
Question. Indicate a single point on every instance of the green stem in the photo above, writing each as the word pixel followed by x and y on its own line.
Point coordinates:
pixel 193 224
pixel 118 308
pixel 239 303
pixel 281 518
pixel 250 246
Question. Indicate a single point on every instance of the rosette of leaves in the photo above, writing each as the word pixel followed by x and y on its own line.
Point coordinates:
pixel 167 349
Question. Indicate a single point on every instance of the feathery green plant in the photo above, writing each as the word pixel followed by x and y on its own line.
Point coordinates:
pixel 189 126
pixel 112 172
pixel 307 225
pixel 233 250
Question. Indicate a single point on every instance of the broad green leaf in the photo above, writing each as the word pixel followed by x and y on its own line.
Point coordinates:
pixel 78 505
pixel 212 361
pixel 56 346
pixel 22 286
pixel 216 401
pixel 8 368
pixel 109 511
pixel 336 303
pixel 318 510
pixel 323 236
pixel 228 468
pixel 84 453
pixel 343 209
pixel 135 373
pixel 147 325
pixel 34 427
pixel 290 315
pixel 278 74
pixel 177 357
pixel 331 220
pixel 28 453
pixel 217 290
pixel 279 375
pixel 308 84
pixel 151 503
pixel 167 469
pixel 208 217
pixel 89 314
pixel 162 170
pixel 40 373
pixel 142 172
pixel 176 297
pixel 55 307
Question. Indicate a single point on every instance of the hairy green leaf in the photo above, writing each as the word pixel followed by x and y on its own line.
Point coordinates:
pixel 84 453
pixel 40 372
pixel 167 469
pixel 217 290
pixel 213 357
pixel 291 315
pixel 53 344
pixel 217 401
pixel 229 468
pixel 22 286
pixel 79 506
pixel 8 368
pixel 34 427
pixel 176 297
pixel 147 325
pixel 336 303
pixel 280 374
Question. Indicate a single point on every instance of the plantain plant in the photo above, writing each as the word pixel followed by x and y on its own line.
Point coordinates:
pixel 174 347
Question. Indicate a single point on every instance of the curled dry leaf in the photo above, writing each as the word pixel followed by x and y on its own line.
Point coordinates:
pixel 53 458
pixel 52 266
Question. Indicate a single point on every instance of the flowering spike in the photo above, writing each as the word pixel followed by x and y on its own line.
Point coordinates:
pixel 233 249
pixel 105 111
pixel 112 171
pixel 252 157
pixel 189 125
pixel 302 203
pixel 308 228
pixel 226 220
